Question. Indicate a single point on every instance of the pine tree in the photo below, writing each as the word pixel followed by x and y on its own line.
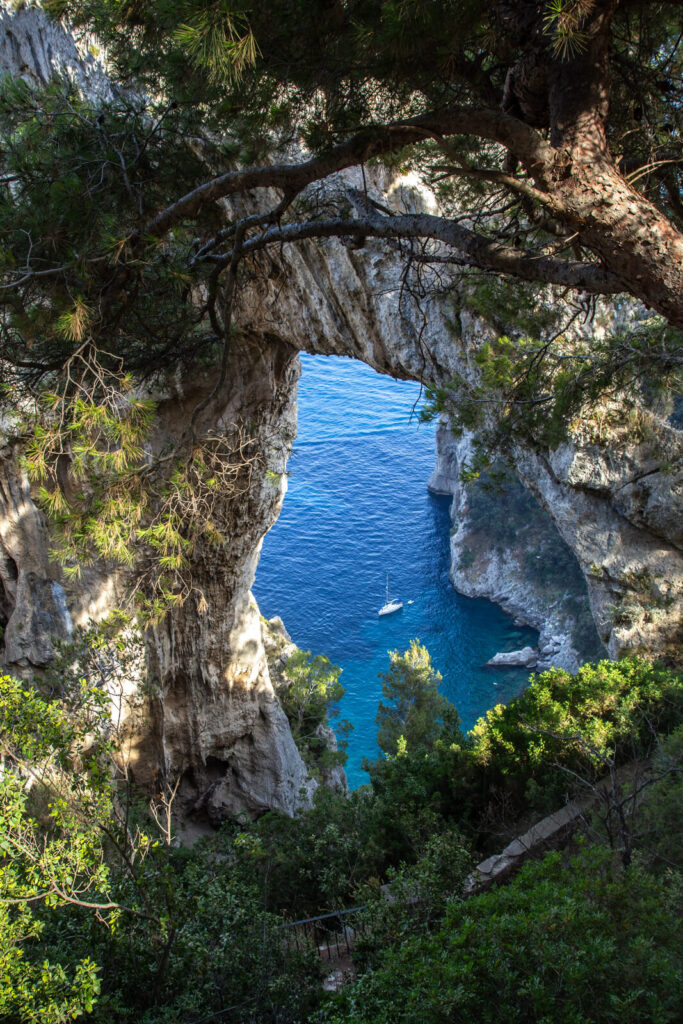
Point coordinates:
pixel 555 125
pixel 417 714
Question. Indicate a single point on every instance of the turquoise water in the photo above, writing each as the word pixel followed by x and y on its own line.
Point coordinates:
pixel 357 507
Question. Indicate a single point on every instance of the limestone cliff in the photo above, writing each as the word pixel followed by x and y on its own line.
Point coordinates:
pixel 34 47
pixel 612 492
pixel 504 547
pixel 216 719
pixel 33 606
pixel 615 493
pixel 212 716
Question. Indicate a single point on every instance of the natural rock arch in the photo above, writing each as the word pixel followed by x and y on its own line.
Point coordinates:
pixel 214 719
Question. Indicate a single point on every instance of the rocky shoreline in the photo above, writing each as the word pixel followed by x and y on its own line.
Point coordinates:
pixel 503 570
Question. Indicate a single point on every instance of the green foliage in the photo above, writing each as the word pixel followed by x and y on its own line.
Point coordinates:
pixel 416 897
pixel 45 993
pixel 219 42
pixel 212 948
pixel 74 174
pixel 101 915
pixel 309 697
pixel 110 499
pixel 661 807
pixel 417 714
pixel 569 723
pixel 50 850
pixel 533 386
pixel 314 863
pixel 337 853
pixel 558 944
pixel 563 23
pixel 562 735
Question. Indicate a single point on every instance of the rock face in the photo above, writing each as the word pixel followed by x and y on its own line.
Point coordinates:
pixel 505 548
pixel 35 48
pixel 213 717
pixel 615 493
pixel 33 606
pixel 216 720
pixel 613 496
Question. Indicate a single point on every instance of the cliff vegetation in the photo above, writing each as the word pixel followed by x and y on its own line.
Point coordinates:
pixel 106 918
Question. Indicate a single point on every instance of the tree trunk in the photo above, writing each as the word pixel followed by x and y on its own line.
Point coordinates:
pixel 635 241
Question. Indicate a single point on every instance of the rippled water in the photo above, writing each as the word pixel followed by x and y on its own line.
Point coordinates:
pixel 357 507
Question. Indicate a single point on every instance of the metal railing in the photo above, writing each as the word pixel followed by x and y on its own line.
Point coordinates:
pixel 332 935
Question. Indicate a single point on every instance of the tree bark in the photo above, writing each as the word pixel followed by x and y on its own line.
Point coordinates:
pixel 636 242
pixel 639 249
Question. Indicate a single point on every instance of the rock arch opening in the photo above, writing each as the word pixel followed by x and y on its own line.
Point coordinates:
pixel 358 508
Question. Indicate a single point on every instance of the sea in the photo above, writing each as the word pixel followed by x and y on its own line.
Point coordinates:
pixel 357 509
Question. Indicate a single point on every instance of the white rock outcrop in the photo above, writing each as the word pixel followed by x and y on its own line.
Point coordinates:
pixel 526 657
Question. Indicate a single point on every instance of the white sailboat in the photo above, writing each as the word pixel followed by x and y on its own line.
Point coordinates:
pixel 392 605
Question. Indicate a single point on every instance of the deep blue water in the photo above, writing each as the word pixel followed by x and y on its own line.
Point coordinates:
pixel 357 507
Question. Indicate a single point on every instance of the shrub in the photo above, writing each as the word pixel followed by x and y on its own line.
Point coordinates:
pixel 579 945
pixel 416 713
pixel 569 722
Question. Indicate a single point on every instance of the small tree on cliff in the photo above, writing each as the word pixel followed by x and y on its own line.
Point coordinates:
pixel 310 696
pixel 417 713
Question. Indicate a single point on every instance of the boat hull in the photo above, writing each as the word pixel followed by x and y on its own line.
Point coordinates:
pixel 389 609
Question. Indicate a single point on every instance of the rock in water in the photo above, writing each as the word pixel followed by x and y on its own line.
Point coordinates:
pixel 526 658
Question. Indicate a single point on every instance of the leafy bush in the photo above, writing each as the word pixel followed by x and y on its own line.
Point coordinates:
pixel 660 808
pixel 201 944
pixel 99 913
pixel 582 944
pixel 566 723
pixel 416 897
pixel 309 696
pixel 102 915
pixel 518 759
